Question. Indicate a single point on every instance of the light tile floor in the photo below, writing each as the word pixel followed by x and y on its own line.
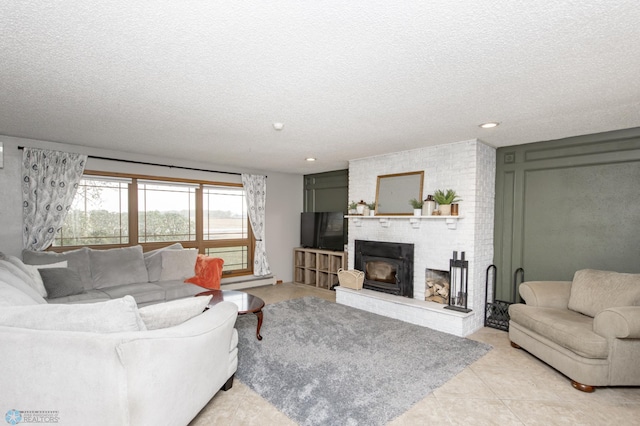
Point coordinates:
pixel 505 387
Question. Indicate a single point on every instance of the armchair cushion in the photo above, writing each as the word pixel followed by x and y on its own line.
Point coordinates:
pixel 566 328
pixel 593 291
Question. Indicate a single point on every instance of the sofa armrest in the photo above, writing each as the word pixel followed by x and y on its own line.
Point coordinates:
pixel 622 322
pixel 546 294
pixel 162 376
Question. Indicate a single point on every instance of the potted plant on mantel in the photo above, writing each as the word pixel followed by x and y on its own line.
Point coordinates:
pixel 417 206
pixel 444 200
pixel 372 208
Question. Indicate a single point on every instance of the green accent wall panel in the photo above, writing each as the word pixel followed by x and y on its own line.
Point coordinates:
pixel 566 205
pixel 326 192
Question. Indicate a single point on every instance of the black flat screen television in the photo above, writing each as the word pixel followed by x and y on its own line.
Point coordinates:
pixel 322 230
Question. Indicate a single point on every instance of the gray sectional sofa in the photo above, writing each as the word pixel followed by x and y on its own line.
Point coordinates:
pixel 98 275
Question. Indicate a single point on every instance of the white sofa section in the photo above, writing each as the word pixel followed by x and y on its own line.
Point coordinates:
pixel 110 362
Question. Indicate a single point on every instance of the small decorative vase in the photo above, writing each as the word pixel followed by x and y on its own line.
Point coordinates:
pixel 365 211
pixel 429 206
pixel 360 207
pixel 454 209
pixel 445 209
pixel 417 212
pixel 372 212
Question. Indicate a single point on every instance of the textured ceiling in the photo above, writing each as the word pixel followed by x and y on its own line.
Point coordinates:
pixel 205 80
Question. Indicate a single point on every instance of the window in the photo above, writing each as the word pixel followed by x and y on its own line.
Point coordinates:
pixel 98 215
pixel 225 214
pixel 116 212
pixel 166 212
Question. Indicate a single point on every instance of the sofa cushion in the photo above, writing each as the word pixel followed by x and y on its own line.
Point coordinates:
pixel 78 260
pixel 169 314
pixel 10 279
pixel 141 292
pixel 594 291
pixel 103 317
pixel 88 296
pixel 35 280
pixel 208 272
pixel 153 261
pixel 11 296
pixel 566 328
pixel 61 282
pixel 22 274
pixel 114 267
pixel 178 264
pixel 177 289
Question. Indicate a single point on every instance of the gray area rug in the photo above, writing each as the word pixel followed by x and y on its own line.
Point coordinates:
pixel 327 364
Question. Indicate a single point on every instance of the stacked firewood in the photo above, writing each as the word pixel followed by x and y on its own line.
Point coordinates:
pixel 437 290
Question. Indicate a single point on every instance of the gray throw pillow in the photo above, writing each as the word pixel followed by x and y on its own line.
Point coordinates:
pixel 153 261
pixel 61 282
pixel 119 266
pixel 78 260
pixel 178 264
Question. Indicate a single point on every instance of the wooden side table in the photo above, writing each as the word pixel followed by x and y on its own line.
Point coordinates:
pixel 247 303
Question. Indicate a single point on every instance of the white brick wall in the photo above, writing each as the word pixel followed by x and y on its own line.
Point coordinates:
pixel 467 167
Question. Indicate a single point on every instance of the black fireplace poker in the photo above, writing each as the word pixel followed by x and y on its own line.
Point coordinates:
pixel 459 279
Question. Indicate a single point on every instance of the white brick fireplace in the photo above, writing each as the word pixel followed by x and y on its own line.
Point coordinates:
pixel 467 167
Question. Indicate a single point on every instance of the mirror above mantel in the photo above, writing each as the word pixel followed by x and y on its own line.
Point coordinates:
pixel 394 191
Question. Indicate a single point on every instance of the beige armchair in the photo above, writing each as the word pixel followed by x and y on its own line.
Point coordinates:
pixel 588 328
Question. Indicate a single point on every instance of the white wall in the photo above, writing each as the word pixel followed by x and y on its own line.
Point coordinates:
pixel 284 194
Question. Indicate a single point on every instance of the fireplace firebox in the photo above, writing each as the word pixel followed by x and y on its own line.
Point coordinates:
pixel 388 267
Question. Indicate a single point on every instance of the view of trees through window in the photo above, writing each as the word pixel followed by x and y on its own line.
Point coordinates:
pixel 165 212
pixel 99 214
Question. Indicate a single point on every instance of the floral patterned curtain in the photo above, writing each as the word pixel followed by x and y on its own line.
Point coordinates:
pixel 256 188
pixel 49 183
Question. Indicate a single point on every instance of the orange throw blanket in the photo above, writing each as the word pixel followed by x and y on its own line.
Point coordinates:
pixel 208 272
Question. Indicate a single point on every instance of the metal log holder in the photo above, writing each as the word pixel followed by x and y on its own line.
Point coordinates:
pixel 458 282
pixel 496 313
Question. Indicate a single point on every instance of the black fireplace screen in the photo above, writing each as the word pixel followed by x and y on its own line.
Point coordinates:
pixel 388 266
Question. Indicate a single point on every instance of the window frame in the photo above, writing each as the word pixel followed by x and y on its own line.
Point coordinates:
pixel 199 243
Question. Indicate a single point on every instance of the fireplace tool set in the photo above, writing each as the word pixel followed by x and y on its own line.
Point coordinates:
pixel 458 281
pixel 496 313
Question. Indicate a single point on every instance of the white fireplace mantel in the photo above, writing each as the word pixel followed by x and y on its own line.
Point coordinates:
pixel 415 221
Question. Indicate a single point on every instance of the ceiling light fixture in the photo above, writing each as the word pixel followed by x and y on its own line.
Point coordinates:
pixel 310 159
pixel 489 125
pixel 278 126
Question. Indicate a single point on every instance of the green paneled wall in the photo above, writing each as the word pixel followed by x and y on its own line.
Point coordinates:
pixel 566 205
pixel 326 192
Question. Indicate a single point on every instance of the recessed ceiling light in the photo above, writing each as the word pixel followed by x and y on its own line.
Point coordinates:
pixel 278 126
pixel 310 159
pixel 490 125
